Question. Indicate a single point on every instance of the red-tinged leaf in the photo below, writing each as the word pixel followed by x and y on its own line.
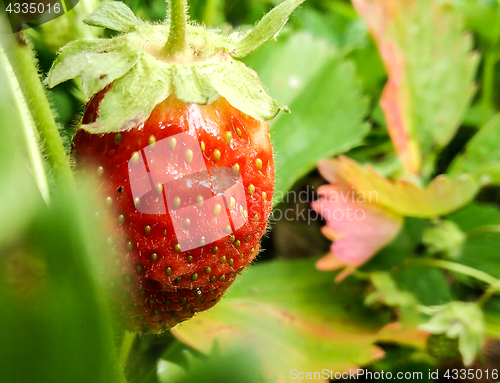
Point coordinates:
pixel 396 333
pixel 442 196
pixel 294 317
pixel 358 227
pixel 431 70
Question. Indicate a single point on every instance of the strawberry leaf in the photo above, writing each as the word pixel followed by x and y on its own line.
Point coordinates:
pixel 279 310
pixel 482 155
pixel 431 71
pixel 213 367
pixel 481 225
pixel 357 227
pixel 325 97
pixel 288 65
pixel 442 196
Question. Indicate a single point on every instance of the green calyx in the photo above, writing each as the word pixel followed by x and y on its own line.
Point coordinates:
pixel 149 62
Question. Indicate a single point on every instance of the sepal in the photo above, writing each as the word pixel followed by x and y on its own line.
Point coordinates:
pixel 266 29
pixel 129 101
pixel 114 15
pixel 140 73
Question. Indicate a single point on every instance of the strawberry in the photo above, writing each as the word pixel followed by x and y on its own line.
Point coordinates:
pixel 175 131
pixel 170 284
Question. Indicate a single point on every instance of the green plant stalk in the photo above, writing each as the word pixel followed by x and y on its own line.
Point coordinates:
pixel 30 133
pixel 63 3
pixel 457 268
pixel 176 42
pixel 25 68
pixel 465 270
pixel 211 12
pixel 127 343
pixel 483 230
pixel 490 291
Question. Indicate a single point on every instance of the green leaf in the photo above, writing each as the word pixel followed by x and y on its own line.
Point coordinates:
pixel 243 362
pixel 327 119
pixel 476 216
pixel 266 28
pixel 55 316
pixel 288 65
pixel 387 293
pixel 293 317
pixel 460 320
pixel 481 224
pixel 482 155
pixel 483 17
pixel 324 95
pixel 90 45
pixel 431 72
pixel 444 238
pixel 343 29
pixel 114 15
pixel 431 290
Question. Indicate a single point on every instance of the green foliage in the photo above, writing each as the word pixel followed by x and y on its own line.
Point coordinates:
pixel 444 238
pixel 481 225
pixel 50 296
pixel 243 364
pixel 291 315
pixel 54 312
pixel 322 90
pixel 482 155
pixel 459 320
pixel 431 71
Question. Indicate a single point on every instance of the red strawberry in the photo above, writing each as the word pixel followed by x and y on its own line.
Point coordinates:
pixel 175 131
pixel 170 284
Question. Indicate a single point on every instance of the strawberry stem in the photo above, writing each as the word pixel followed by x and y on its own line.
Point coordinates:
pixel 176 42
pixel 27 126
pixel 456 268
pixel 24 65
pixel 127 343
